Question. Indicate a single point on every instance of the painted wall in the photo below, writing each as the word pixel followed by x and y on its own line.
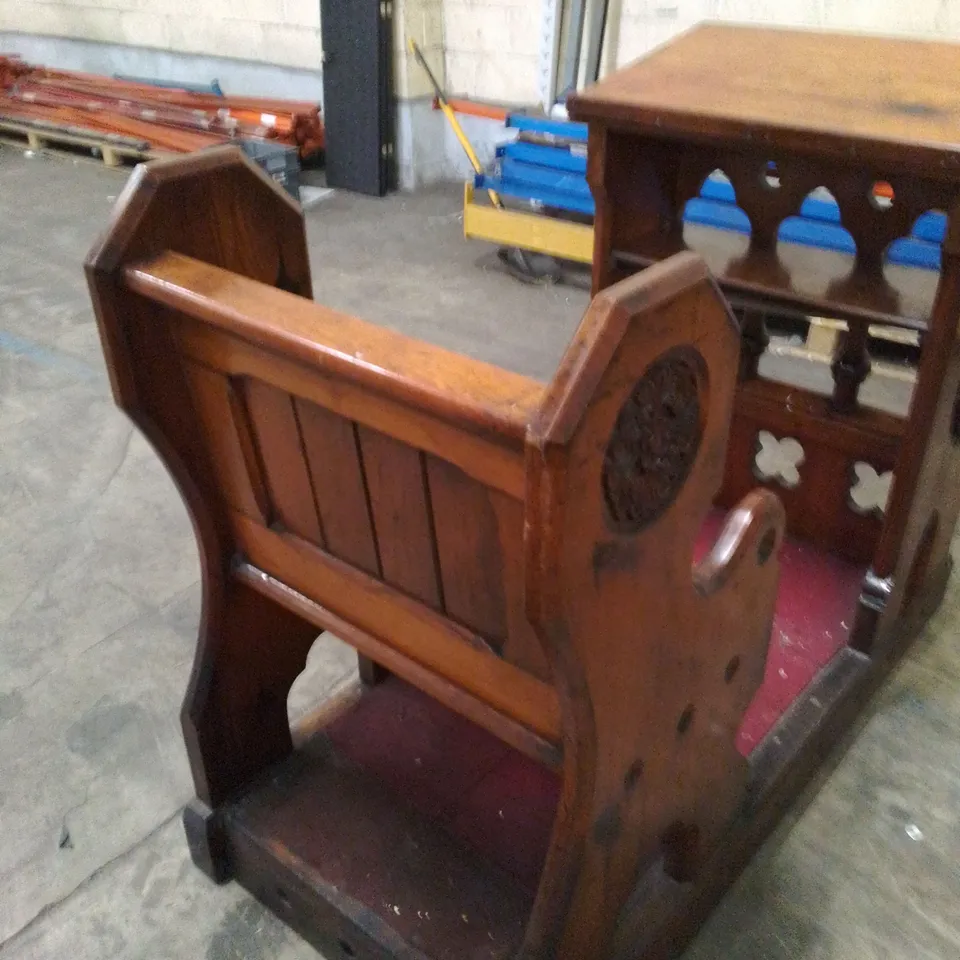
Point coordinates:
pixel 645 24
pixel 422 21
pixel 285 32
pixel 487 49
pixel 484 49
pixel 492 48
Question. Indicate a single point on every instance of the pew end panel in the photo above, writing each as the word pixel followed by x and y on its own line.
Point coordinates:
pixel 657 652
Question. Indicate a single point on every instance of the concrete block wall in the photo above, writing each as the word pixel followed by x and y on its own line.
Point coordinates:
pixel 422 21
pixel 420 136
pixel 483 49
pixel 283 32
pixel 489 50
pixel 492 48
pixel 480 49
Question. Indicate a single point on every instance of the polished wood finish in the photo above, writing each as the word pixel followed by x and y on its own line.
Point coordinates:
pixel 332 448
pixel 913 554
pixel 402 516
pixel 274 421
pixel 422 414
pixel 782 113
pixel 469 555
pixel 407 626
pixel 876 98
pixel 530 557
pixel 408 371
pixel 790 278
pixel 819 507
pixel 676 719
pixel 230 444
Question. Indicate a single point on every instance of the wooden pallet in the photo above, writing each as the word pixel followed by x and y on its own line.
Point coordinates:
pixel 34 138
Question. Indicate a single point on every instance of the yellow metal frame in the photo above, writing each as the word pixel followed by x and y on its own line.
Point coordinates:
pixel 528 231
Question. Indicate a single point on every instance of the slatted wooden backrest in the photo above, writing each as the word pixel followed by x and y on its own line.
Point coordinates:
pixel 393 518
pixel 370 483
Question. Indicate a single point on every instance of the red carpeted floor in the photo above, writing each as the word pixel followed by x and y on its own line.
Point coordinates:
pixel 815 605
pixel 496 800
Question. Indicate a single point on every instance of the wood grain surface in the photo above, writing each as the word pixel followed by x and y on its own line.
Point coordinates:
pixel 524 555
pixel 880 97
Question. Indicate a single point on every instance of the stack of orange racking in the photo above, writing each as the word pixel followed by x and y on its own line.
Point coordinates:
pixel 163 119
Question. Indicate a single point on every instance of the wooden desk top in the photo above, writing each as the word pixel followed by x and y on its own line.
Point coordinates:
pixel 870 98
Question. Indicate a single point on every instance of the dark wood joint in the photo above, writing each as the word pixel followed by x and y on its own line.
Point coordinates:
pixel 207 840
pixel 371 673
pixel 850 368
pixel 754 340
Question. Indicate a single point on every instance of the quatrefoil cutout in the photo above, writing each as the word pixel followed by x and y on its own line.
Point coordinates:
pixel 778 461
pixel 870 490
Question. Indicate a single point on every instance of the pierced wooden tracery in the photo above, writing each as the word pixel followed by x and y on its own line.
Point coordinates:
pixel 876 208
pixel 769 189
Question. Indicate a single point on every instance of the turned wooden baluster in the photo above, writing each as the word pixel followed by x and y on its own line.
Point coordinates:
pixel 754 340
pixel 851 364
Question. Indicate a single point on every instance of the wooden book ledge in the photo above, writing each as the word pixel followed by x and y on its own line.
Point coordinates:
pixel 574 738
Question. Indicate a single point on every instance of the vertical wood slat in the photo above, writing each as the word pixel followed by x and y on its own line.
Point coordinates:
pixel 231 447
pixel 522 647
pixel 332 449
pixel 468 551
pixel 274 423
pixel 402 521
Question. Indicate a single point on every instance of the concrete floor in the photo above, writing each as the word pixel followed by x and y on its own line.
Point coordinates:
pixel 99 606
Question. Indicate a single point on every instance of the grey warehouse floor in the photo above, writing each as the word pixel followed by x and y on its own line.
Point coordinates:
pixel 99 605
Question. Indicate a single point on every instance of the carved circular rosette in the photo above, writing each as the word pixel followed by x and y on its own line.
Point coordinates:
pixel 654 441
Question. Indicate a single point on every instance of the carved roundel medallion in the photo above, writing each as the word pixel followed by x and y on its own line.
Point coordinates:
pixel 654 441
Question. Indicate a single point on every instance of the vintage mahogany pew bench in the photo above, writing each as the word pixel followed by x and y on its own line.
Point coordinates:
pixel 580 724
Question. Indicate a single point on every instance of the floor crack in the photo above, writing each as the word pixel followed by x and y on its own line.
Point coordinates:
pixel 49 908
